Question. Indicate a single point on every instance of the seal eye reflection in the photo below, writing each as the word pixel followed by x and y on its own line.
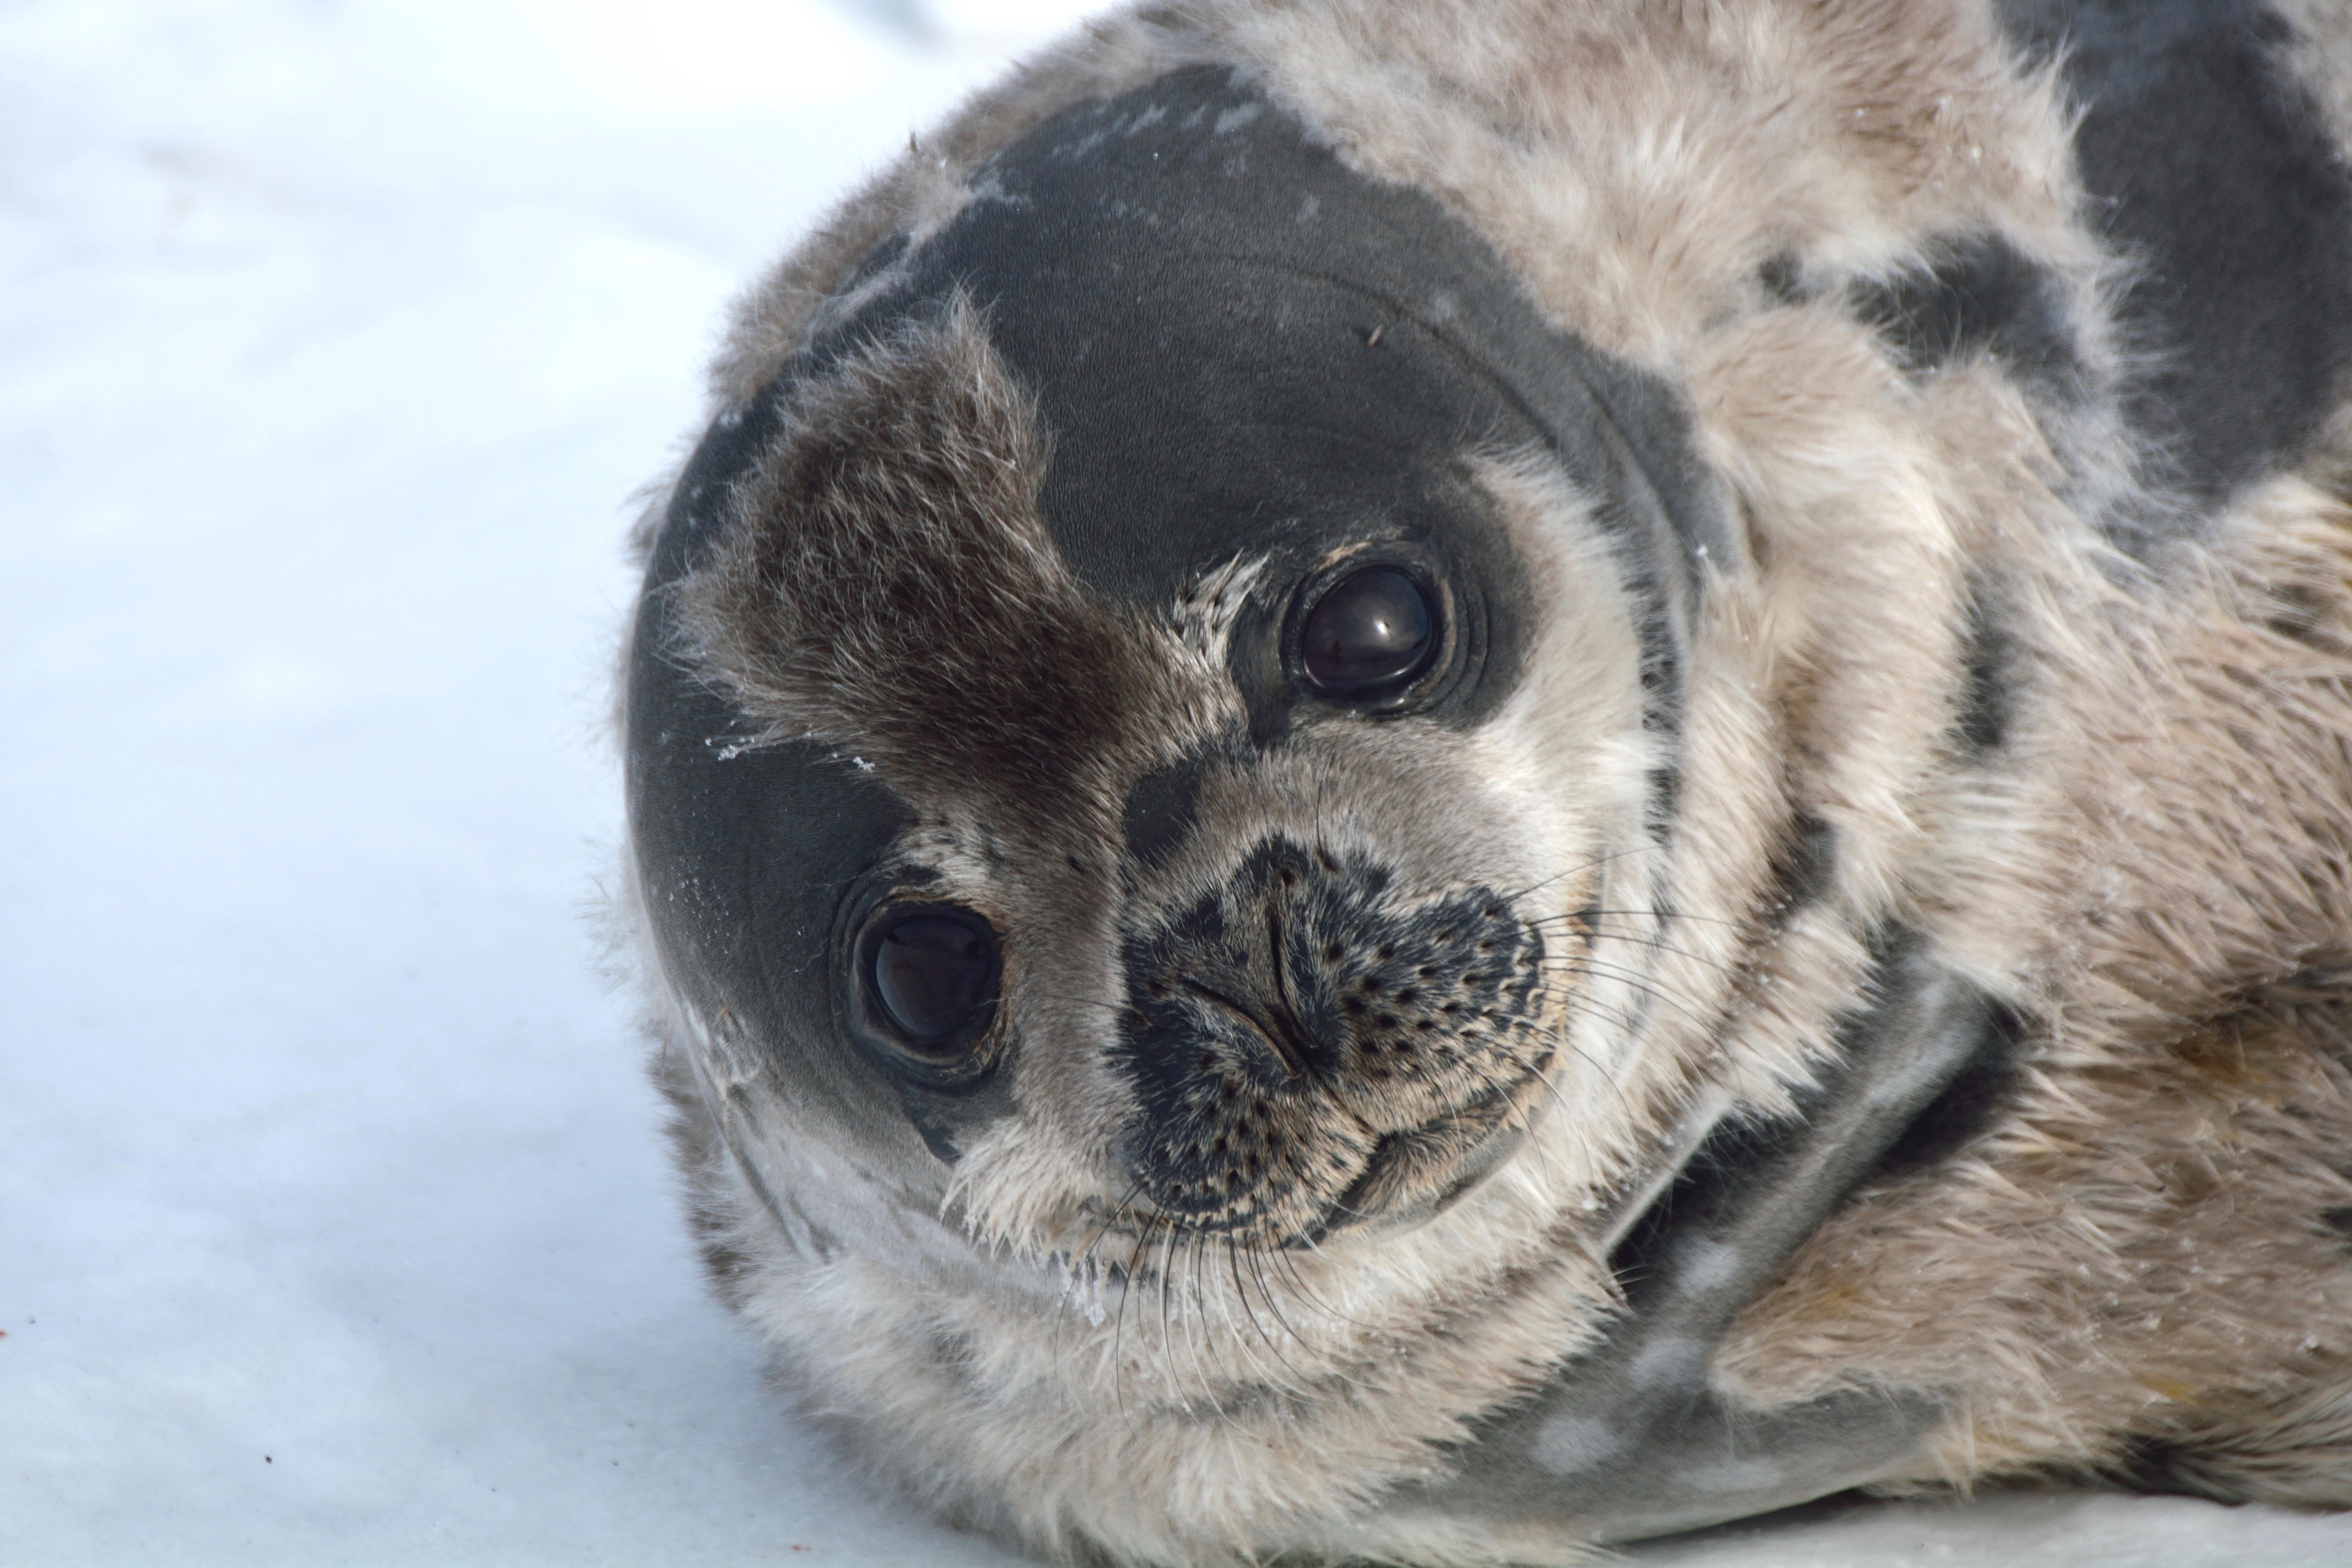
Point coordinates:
pixel 1372 632
pixel 934 972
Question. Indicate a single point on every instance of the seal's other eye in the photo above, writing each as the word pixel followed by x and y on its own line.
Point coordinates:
pixel 1372 632
pixel 934 972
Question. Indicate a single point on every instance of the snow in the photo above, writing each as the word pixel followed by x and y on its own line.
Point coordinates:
pixel 334 1225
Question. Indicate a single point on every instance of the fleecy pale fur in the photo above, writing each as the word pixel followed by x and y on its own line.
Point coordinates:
pixel 2159 869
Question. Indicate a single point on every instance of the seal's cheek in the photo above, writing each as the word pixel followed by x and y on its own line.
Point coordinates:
pixel 1594 711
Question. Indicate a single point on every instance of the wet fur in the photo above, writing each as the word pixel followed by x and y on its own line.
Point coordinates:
pixel 2129 1272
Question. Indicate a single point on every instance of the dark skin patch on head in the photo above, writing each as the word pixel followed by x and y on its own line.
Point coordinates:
pixel 743 909
pixel 1159 808
pixel 1240 347
pixel 949 1120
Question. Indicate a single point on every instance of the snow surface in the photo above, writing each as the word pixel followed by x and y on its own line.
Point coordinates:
pixel 334 1222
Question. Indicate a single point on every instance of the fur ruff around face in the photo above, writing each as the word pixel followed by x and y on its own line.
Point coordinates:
pixel 1441 780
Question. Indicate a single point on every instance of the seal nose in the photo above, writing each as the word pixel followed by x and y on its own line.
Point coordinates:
pixel 1263 996
pixel 1312 970
pixel 1301 1036
pixel 1246 956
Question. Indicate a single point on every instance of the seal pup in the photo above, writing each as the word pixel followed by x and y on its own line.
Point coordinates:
pixel 1438 780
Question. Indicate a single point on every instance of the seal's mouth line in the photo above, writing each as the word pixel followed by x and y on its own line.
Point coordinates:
pixel 1121 1235
pixel 1136 1221
pixel 1468 1167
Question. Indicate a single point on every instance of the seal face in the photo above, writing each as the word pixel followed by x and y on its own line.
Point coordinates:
pixel 1122 597
pixel 1438 780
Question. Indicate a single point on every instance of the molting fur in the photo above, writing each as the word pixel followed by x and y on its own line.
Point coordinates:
pixel 1442 780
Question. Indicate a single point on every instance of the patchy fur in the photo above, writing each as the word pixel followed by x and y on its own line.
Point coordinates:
pixel 1980 680
pixel 907 602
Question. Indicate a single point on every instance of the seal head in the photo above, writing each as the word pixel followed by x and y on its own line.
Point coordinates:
pixel 1118 623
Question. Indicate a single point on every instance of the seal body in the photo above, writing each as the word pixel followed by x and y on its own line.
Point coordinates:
pixel 1443 780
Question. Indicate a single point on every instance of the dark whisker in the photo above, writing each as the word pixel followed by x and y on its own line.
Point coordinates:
pixel 1240 1293
pixel 1117 1344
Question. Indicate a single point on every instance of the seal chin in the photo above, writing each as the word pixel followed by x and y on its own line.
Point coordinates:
pixel 1414 1177
pixel 1403 1180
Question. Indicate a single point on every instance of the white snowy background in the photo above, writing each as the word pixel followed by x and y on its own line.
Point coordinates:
pixel 334 335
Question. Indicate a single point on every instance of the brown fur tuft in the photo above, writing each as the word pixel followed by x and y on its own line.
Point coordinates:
pixel 885 585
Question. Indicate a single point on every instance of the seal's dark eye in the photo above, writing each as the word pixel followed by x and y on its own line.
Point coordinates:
pixel 1370 630
pixel 934 969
